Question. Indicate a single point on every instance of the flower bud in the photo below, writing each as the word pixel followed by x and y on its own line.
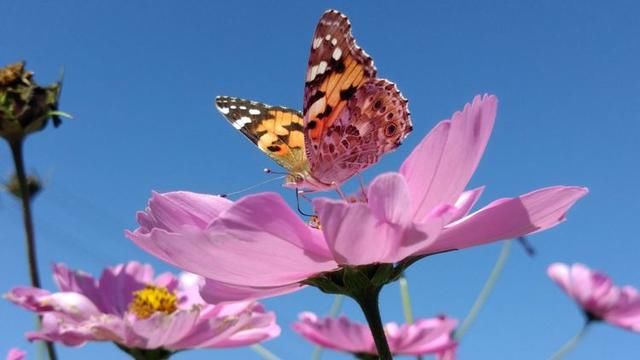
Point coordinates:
pixel 25 107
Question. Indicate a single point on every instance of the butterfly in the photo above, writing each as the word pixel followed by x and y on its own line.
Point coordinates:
pixel 349 118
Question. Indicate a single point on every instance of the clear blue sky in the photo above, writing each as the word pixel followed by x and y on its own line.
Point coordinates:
pixel 140 78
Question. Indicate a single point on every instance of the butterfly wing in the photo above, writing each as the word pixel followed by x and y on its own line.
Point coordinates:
pixel 276 130
pixel 351 118
pixel 374 122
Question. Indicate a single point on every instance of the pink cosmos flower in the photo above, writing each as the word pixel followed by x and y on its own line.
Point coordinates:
pixel 136 310
pixel 258 247
pixel 16 354
pixel 426 336
pixel 597 296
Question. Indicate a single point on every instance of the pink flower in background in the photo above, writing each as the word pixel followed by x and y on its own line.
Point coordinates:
pixel 426 336
pixel 598 297
pixel 258 247
pixel 136 310
pixel 16 354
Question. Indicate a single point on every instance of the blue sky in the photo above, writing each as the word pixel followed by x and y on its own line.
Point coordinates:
pixel 140 78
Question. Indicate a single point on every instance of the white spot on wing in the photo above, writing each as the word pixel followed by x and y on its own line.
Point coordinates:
pixel 322 67
pixel 242 107
pixel 334 41
pixel 224 110
pixel 254 111
pixel 336 54
pixel 238 124
pixel 233 107
pixel 312 73
pixel 316 42
pixel 328 37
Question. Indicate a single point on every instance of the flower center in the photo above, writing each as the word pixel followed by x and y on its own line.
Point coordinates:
pixel 153 299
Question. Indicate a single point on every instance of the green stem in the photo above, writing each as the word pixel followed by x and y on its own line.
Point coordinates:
pixel 485 292
pixel 406 303
pixel 263 352
pixel 333 312
pixel 368 301
pixel 406 300
pixel 32 260
pixel 571 344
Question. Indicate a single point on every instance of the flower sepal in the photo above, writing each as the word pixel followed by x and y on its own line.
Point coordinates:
pixel 354 280
pixel 146 354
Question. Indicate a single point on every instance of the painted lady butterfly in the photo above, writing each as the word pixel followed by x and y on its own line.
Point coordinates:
pixel 350 118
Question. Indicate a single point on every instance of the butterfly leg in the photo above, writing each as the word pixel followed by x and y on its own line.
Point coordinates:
pixel 363 188
pixel 337 188
pixel 298 193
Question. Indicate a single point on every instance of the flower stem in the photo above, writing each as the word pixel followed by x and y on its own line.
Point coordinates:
pixel 333 312
pixel 406 300
pixel 368 301
pixel 18 160
pixel 571 344
pixel 485 292
pixel 406 303
pixel 263 352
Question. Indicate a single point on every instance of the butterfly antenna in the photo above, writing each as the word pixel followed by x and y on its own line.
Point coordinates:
pixel 269 171
pixel 298 204
pixel 252 186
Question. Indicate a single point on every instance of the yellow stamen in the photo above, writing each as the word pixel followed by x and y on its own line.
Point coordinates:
pixel 152 299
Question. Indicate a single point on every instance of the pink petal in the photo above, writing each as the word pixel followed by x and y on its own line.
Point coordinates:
pixel 337 334
pixel 509 218
pixel 73 305
pixel 626 313
pixel 257 242
pixel 56 329
pixel 465 202
pixel 439 168
pixel 248 327
pixel 448 354
pixel 171 211
pixel 215 292
pixel 78 281
pixel 117 285
pixel 355 235
pixel 189 290
pixel 596 294
pixel 560 274
pixel 162 330
pixel 29 298
pixel 388 197
pixel 425 336
pixel 16 354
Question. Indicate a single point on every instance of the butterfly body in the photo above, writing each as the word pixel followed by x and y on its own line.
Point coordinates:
pixel 350 118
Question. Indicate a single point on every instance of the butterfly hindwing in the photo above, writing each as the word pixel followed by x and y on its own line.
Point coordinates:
pixel 375 121
pixel 276 130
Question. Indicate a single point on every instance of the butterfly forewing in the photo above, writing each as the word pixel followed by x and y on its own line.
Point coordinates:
pixel 337 67
pixel 276 130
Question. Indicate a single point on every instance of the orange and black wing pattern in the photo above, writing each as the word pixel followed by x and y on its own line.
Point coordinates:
pixel 337 68
pixel 276 130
